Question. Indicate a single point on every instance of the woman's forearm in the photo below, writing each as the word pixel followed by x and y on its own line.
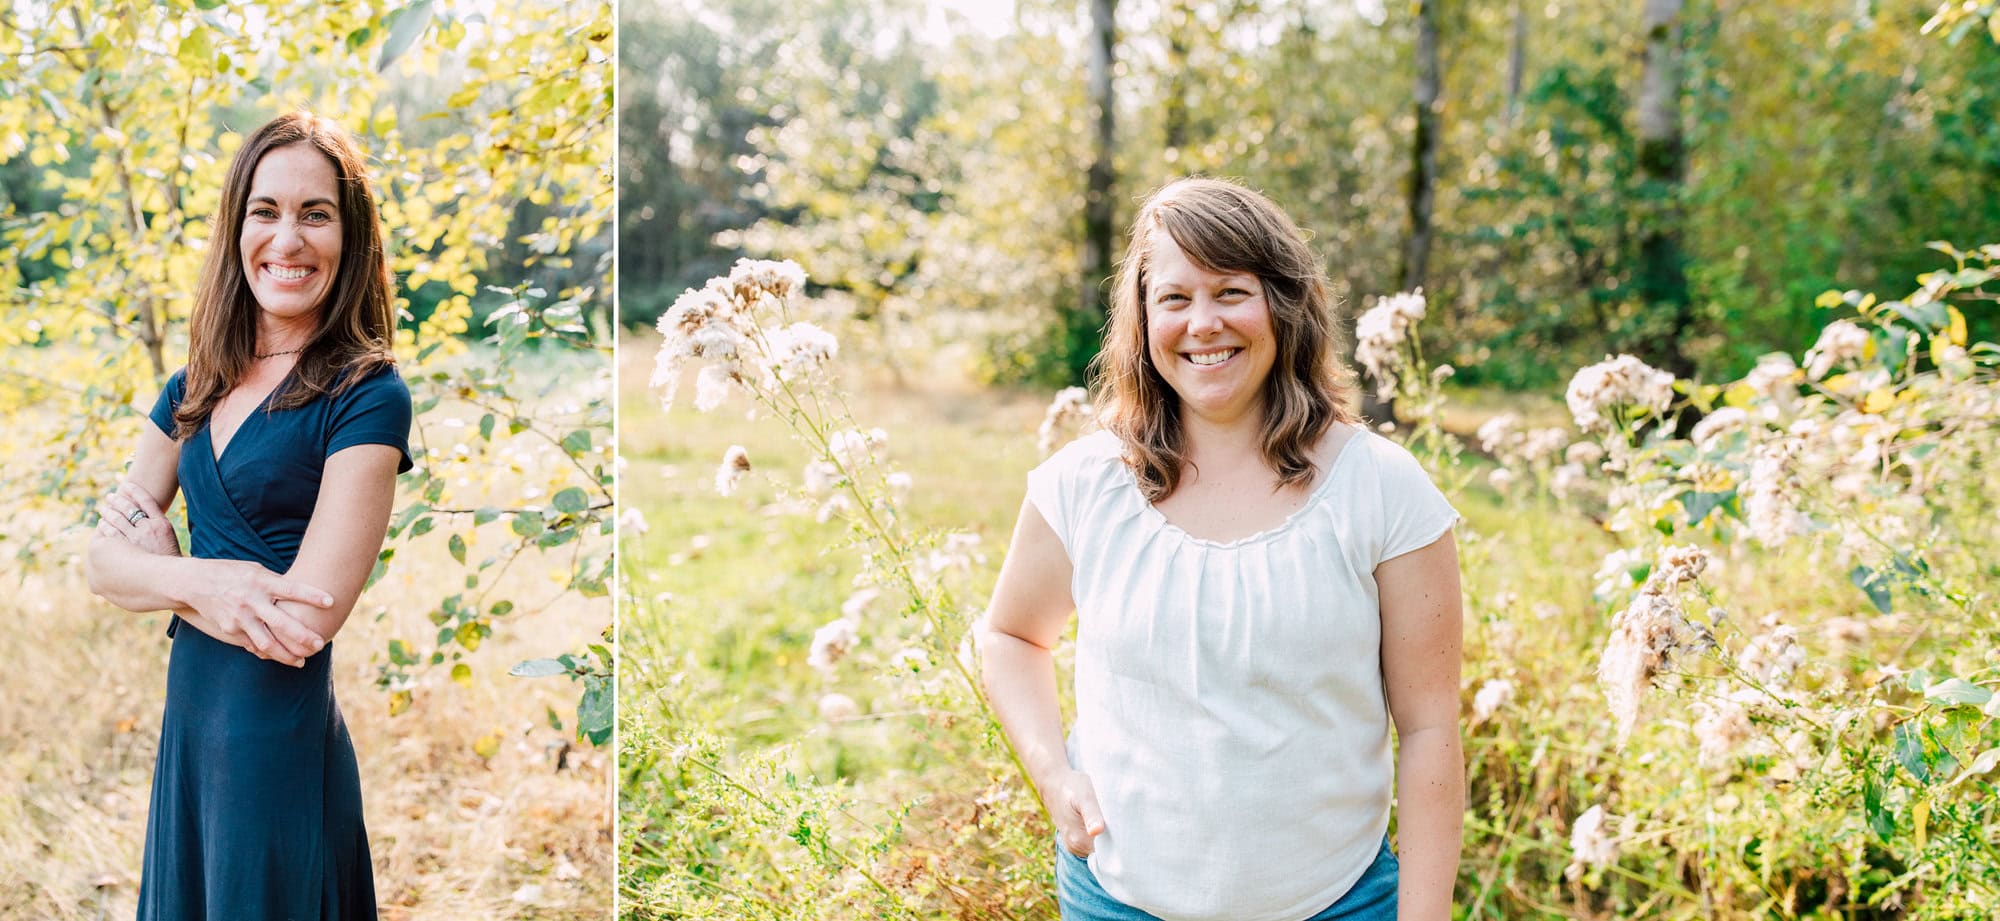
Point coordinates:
pixel 1020 679
pixel 1430 821
pixel 139 581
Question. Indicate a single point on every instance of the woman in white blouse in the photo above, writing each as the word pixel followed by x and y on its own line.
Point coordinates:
pixel 1261 585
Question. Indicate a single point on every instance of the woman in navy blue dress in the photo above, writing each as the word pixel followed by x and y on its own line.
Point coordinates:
pixel 285 432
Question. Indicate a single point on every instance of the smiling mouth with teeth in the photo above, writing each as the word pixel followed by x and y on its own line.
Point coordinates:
pixel 1212 358
pixel 292 274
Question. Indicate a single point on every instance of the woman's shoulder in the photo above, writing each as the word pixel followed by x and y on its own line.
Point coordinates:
pixel 379 381
pixel 1096 452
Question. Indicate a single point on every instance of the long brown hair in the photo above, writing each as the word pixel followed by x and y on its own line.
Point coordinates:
pixel 1222 227
pixel 357 322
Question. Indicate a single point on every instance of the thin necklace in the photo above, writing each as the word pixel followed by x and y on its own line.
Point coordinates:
pixel 263 355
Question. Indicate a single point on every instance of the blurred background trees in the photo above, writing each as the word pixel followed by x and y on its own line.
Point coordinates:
pixel 1565 178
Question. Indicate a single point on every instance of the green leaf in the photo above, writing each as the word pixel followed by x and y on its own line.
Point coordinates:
pixel 400 653
pixel 595 713
pixel 537 668
pixel 1910 753
pixel 485 514
pixel 410 22
pixel 1699 504
pixel 1873 584
pixel 457 547
pixel 527 525
pixel 486 427
pixel 571 501
pixel 577 442
pixel 1957 692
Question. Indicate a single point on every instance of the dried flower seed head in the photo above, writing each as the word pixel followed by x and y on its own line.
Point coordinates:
pixel 735 463
pixel 1597 393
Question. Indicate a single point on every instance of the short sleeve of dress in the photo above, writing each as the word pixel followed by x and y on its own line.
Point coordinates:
pixel 1049 488
pixel 170 400
pixel 375 411
pixel 1414 512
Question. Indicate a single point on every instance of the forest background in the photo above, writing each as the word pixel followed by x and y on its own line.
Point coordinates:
pixel 488 131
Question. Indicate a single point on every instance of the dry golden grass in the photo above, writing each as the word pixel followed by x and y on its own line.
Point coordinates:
pixel 524 834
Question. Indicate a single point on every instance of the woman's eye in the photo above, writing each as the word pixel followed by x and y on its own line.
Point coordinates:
pixel 264 213
pixel 318 217
pixel 1235 292
pixel 1171 298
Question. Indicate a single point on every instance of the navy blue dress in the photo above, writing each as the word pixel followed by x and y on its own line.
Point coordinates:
pixel 256 807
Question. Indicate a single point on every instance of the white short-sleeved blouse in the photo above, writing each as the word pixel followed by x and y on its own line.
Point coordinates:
pixel 1230 711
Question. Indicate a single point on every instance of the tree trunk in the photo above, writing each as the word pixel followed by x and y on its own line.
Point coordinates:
pixel 1662 271
pixel 1095 301
pixel 1423 152
pixel 1179 22
pixel 1517 61
pixel 1422 194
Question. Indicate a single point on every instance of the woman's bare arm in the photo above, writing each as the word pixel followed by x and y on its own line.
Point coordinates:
pixel 1421 622
pixel 136 566
pixel 1031 604
pixel 357 491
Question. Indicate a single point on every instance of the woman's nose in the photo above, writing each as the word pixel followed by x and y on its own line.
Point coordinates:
pixel 1205 317
pixel 287 238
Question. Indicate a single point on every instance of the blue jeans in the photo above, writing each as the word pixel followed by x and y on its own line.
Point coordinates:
pixel 1371 898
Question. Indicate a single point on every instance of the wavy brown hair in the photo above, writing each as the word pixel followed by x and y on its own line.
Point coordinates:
pixel 357 322
pixel 1222 227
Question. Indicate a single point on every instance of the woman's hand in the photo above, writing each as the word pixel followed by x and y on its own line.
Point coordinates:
pixel 150 532
pixel 236 601
pixel 1072 803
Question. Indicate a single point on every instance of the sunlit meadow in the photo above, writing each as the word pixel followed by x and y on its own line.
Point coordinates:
pixel 1736 667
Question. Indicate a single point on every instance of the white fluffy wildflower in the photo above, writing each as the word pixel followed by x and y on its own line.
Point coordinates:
pixel 1770 495
pixel 1717 424
pixel 1644 639
pixel 831 642
pixel 1543 443
pixel 1584 453
pixel 837 505
pixel 711 387
pixel 1499 433
pixel 1501 479
pixel 1071 406
pixel 899 483
pixel 1614 572
pixel 1841 342
pixel 1380 332
pixel 909 659
pixel 1775 378
pixel 779 279
pixel 838 708
pixel 798 350
pixel 820 477
pixel 1677 566
pixel 632 522
pixel 1494 694
pixel 1598 390
pixel 1722 728
pixel 1774 657
pixel 703 323
pixel 729 474
pixel 858 601
pixel 1566 479
pixel 851 446
pixel 1591 843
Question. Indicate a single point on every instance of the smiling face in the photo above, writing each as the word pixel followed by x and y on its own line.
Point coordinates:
pixel 1208 334
pixel 290 242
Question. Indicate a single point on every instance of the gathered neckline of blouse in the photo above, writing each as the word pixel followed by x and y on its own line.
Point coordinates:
pixel 1313 498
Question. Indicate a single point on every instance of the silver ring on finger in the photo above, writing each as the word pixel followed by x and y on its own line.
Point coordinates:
pixel 136 514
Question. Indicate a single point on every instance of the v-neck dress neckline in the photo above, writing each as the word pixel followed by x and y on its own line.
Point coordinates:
pixel 208 427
